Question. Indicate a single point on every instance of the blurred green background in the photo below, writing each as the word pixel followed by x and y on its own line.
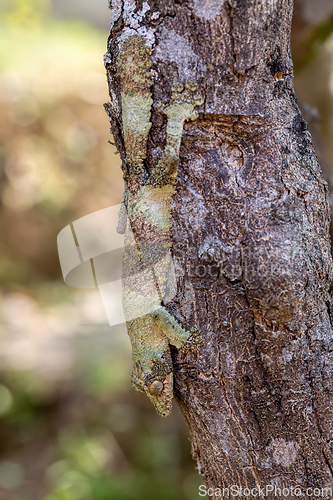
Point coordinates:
pixel 71 427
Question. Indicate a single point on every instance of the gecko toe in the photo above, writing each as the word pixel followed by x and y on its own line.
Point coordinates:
pixel 191 85
pixel 177 87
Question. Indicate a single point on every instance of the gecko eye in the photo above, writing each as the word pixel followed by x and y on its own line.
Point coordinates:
pixel 155 388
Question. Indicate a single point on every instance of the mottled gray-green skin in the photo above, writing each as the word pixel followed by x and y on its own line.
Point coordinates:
pixel 147 255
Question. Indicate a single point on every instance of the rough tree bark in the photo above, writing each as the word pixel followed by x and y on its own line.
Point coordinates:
pixel 250 239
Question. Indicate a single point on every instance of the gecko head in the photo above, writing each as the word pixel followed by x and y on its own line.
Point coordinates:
pixel 156 381
pixel 160 394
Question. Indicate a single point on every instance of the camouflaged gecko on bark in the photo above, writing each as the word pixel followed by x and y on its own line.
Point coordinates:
pixel 147 262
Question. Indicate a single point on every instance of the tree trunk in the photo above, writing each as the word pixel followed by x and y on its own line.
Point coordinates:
pixel 250 231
